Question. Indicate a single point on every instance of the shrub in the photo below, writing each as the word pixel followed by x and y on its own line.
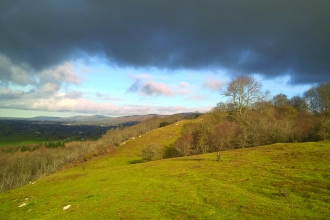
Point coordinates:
pixel 171 151
pixel 148 152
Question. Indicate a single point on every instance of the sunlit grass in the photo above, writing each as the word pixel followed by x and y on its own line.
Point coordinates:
pixel 280 181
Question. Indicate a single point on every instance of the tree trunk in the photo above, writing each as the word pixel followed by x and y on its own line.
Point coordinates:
pixel 218 156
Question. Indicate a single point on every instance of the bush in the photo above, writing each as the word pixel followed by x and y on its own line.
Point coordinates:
pixel 149 152
pixel 163 124
pixel 171 151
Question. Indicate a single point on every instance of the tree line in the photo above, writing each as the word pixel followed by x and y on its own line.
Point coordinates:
pixel 250 118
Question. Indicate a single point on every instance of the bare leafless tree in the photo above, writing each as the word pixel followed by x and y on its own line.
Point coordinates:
pixel 318 99
pixel 243 92
pixel 223 136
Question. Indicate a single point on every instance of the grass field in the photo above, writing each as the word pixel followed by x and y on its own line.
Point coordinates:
pixel 280 181
pixel 21 139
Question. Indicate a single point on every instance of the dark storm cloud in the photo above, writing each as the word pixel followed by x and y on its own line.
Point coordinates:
pixel 244 37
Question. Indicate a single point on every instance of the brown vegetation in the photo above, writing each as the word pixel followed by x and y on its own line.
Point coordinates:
pixel 247 119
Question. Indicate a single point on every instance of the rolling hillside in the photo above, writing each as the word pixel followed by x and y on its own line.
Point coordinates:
pixel 280 181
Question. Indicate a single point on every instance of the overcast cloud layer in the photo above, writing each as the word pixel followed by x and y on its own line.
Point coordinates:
pixel 244 37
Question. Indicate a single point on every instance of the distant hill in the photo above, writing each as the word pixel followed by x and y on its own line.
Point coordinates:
pixel 104 120
pixel 96 119
pixel 41 118
pixel 81 118
pixel 88 120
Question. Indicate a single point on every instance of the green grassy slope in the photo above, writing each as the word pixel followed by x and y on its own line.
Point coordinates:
pixel 281 181
pixel 129 153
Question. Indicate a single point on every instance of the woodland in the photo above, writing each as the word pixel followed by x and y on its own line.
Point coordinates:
pixel 250 118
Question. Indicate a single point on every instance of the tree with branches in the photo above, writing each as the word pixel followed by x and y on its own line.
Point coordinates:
pixel 243 92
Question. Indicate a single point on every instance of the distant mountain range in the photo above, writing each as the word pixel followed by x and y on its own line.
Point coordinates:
pixel 94 119
pixel 68 119
pixel 88 120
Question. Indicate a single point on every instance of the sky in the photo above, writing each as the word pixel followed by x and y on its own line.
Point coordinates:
pixel 117 58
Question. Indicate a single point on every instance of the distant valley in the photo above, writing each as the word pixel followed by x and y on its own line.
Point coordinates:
pixel 41 129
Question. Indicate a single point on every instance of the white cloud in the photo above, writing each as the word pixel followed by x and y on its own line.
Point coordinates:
pixel 104 96
pixel 14 73
pixel 23 88
pixel 60 74
pixel 50 88
pixel 9 94
pixel 153 88
pixel 74 95
pixel 184 84
pixel 22 74
pixel 61 103
pixel 212 84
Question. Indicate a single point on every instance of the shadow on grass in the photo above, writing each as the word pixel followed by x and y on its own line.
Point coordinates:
pixel 135 161
pixel 190 159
